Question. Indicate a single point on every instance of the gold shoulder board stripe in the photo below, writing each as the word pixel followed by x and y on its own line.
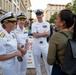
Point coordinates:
pixel 2 34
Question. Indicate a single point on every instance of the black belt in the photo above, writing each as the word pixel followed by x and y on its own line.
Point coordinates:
pixel 41 42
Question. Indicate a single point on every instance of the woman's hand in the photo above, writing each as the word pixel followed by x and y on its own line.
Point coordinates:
pixel 19 54
pixel 24 51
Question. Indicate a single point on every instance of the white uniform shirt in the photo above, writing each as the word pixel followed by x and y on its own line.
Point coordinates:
pixel 40 28
pixel 1 27
pixel 8 43
pixel 21 35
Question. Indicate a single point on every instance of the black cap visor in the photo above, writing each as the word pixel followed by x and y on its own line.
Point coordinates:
pixel 39 13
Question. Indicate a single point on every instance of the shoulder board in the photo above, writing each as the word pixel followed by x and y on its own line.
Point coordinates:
pixel 2 34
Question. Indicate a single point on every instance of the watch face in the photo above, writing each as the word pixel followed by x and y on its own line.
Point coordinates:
pixel 44 26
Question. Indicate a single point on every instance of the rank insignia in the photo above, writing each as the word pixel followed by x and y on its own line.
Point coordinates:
pixel 36 27
pixel 13 36
pixel 8 40
pixel 2 34
pixel 17 32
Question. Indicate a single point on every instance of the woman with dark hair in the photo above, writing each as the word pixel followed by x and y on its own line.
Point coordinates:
pixel 57 45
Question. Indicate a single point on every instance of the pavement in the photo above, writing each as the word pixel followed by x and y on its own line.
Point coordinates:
pixel 33 72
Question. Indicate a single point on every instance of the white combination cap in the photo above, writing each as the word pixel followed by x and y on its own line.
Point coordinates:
pixel 8 17
pixel 21 15
pixel 39 11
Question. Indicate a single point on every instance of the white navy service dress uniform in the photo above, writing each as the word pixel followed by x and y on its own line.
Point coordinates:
pixel 21 36
pixel 8 45
pixel 40 46
pixel 1 27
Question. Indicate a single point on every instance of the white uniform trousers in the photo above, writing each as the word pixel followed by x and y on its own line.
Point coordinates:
pixel 37 51
pixel 21 67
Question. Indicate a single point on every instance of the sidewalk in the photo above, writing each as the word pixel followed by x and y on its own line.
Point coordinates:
pixel 32 71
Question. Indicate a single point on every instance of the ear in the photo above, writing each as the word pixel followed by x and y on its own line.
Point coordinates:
pixel 63 23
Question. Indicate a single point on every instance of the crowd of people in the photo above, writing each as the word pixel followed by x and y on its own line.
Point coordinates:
pixel 14 42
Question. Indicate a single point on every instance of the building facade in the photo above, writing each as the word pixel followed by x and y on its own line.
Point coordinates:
pixel 14 5
pixel 72 1
pixel 51 9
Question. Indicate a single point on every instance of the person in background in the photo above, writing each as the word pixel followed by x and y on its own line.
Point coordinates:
pixel 51 32
pixel 1 14
pixel 57 45
pixel 21 35
pixel 8 46
pixel 27 26
pixel 40 31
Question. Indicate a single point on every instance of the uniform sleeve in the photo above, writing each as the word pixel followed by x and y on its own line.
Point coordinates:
pixel 2 46
pixel 48 26
pixel 52 50
pixel 14 33
pixel 33 28
pixel 27 36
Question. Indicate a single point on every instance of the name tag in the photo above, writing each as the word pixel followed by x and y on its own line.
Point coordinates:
pixel 25 32
pixel 44 26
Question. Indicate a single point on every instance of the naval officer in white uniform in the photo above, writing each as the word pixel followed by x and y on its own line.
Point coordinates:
pixel 40 31
pixel 8 46
pixel 22 39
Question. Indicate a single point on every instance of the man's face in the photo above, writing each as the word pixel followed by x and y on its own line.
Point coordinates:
pixel 39 16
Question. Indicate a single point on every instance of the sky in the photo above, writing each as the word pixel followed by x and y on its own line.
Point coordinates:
pixel 41 4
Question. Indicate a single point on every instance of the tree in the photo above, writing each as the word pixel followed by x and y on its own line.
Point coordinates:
pixel 69 6
pixel 53 17
pixel 74 7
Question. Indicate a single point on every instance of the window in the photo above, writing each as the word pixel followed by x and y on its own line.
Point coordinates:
pixel 6 5
pixel 51 8
pixel 14 8
pixel 18 2
pixel 25 4
pixel 26 1
pixel 14 0
pixel 10 0
pixel 17 9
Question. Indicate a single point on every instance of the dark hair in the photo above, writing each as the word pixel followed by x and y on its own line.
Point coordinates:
pixel 74 36
pixel 69 18
pixel 1 13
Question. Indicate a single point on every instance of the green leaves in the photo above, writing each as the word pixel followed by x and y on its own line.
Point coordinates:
pixel 53 17
pixel 71 7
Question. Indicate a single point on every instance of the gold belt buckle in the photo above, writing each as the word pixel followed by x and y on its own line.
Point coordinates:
pixel 41 42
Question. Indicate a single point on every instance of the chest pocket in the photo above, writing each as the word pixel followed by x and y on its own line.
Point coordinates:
pixel 44 27
pixel 11 46
pixel 21 37
pixel 39 29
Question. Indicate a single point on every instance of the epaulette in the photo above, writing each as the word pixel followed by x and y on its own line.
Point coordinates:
pixel 2 34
